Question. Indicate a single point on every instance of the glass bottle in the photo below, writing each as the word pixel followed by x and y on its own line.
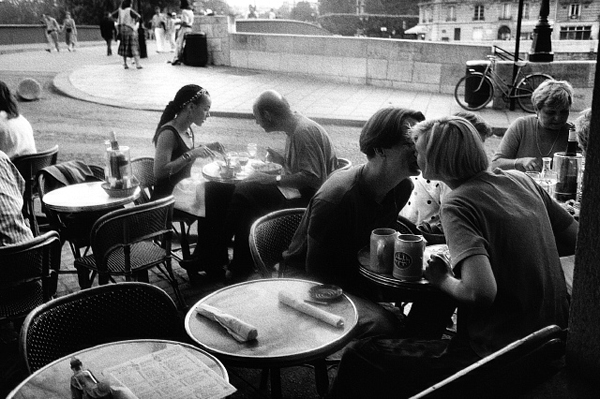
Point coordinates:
pixel 118 167
pixel 567 165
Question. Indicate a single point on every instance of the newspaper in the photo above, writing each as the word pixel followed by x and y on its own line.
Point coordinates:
pixel 171 373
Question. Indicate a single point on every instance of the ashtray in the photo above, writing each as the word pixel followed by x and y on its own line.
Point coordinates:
pixel 119 192
pixel 325 292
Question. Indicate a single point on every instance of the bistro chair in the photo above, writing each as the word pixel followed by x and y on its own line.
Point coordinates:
pixel 143 169
pixel 29 165
pixel 506 372
pixel 124 243
pixel 95 316
pixel 270 235
pixel 28 275
pixel 343 164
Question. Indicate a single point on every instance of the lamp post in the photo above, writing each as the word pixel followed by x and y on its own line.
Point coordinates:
pixel 541 48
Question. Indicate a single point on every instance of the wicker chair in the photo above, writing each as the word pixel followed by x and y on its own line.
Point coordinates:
pixel 343 164
pixel 508 372
pixel 123 244
pixel 29 165
pixel 143 169
pixel 270 235
pixel 96 316
pixel 28 275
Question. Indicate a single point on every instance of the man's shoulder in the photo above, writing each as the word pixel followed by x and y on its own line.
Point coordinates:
pixel 338 185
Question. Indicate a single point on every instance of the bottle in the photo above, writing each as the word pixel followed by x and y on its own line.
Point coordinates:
pixel 112 138
pixel 572 144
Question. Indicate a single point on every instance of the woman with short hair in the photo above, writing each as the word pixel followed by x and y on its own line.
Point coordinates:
pixel 530 138
pixel 16 133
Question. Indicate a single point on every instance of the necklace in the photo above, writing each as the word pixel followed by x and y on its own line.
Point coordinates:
pixel 537 140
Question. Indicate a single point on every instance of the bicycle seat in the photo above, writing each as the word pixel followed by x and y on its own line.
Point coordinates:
pixel 491 57
pixel 520 64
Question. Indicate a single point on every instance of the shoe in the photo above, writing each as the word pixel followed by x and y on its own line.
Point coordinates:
pixel 48 50
pixel 139 67
pixel 168 62
pixel 126 66
pixel 176 62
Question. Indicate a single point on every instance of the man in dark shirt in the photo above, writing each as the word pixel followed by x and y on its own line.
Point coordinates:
pixel 108 31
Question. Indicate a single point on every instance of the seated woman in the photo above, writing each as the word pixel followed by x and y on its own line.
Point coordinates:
pixel 174 139
pixel 508 283
pixel 531 138
pixel 16 133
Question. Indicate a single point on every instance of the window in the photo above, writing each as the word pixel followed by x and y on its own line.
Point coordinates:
pixel 574 10
pixel 575 32
pixel 525 10
pixel 478 16
pixel 505 13
pixel 451 14
pixel 430 15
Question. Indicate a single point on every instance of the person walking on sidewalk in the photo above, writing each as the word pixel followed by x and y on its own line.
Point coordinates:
pixel 129 46
pixel 70 31
pixel 51 32
pixel 108 31
pixel 158 25
pixel 187 20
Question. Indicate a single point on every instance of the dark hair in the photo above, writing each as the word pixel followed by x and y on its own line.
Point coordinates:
pixel 125 4
pixel 8 103
pixel 386 128
pixel 187 94
pixel 184 4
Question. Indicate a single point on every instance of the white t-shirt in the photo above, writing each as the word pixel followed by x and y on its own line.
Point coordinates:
pixel 16 136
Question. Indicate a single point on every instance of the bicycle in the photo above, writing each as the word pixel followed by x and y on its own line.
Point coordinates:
pixel 475 90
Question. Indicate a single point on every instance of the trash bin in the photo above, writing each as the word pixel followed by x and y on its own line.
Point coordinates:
pixel 195 50
pixel 475 99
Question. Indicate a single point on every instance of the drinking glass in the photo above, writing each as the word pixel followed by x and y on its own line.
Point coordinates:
pixel 243 158
pixel 252 148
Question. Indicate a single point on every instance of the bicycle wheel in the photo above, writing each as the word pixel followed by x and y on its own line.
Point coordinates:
pixel 525 89
pixel 474 91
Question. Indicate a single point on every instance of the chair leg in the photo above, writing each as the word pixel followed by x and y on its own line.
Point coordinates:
pixel 321 377
pixel 175 285
pixel 275 383
pixel 185 244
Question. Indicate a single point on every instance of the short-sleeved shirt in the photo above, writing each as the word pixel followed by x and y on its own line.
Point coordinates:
pixel 511 220
pixel 308 150
pixel 13 229
pixel 526 138
pixel 339 220
pixel 16 136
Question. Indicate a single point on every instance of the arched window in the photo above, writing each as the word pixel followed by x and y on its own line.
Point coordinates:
pixel 504 33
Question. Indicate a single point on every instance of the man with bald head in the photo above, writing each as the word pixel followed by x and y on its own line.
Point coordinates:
pixel 308 159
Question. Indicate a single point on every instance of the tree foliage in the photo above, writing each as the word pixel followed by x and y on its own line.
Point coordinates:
pixel 304 12
pixel 389 7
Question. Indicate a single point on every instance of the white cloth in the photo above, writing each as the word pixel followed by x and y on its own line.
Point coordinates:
pixel 159 34
pixel 189 196
pixel 238 329
pixel 329 318
pixel 16 136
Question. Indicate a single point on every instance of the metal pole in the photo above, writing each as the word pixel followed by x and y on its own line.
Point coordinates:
pixel 517 50
pixel 541 48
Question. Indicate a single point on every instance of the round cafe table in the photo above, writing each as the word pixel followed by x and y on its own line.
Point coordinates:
pixel 286 337
pixel 85 197
pixel 53 380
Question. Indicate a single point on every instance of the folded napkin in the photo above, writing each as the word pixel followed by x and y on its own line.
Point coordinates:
pixel 238 329
pixel 330 318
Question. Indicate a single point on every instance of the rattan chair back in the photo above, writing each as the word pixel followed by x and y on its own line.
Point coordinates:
pixel 343 164
pixel 270 236
pixel 143 169
pixel 28 274
pixel 29 165
pixel 94 316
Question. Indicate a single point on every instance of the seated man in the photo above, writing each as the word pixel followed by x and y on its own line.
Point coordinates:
pixel 508 282
pixel 13 229
pixel 309 158
pixel 340 217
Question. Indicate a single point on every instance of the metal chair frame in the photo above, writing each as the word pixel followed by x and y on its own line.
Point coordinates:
pixel 29 165
pixel 128 241
pixel 96 316
pixel 22 268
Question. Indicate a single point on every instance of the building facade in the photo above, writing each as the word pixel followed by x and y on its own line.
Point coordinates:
pixel 491 20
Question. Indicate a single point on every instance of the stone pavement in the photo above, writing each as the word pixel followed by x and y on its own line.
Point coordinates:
pixel 88 74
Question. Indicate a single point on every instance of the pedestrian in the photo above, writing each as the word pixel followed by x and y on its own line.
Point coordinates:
pixel 108 31
pixel 187 20
pixel 129 45
pixel 70 31
pixel 51 32
pixel 170 32
pixel 158 25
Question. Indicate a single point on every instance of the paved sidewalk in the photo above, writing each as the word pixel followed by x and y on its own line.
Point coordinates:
pixel 89 75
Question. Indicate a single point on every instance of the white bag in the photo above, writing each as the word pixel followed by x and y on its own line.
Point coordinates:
pixel 189 196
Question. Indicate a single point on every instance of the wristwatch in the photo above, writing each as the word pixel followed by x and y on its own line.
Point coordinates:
pixel 278 179
pixel 186 156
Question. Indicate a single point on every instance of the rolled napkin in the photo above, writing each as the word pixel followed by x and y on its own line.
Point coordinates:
pixel 330 318
pixel 238 329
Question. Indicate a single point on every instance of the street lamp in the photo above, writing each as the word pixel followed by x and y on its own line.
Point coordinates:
pixel 541 48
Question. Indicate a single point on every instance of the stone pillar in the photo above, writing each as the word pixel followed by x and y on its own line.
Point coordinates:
pixel 217 29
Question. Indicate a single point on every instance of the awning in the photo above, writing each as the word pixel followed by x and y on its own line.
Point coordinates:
pixel 416 30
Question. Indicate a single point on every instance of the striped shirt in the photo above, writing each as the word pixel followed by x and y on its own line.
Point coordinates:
pixel 13 229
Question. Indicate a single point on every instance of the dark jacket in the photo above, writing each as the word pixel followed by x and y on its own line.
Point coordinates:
pixel 107 28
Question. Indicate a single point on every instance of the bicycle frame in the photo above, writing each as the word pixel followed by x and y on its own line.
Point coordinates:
pixel 507 89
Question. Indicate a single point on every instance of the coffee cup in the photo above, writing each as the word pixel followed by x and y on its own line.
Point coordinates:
pixel 408 257
pixel 382 250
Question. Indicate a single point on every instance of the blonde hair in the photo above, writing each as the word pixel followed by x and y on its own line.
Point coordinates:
pixel 582 124
pixel 453 148
pixel 553 93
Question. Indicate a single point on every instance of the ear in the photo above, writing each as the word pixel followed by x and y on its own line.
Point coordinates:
pixel 380 152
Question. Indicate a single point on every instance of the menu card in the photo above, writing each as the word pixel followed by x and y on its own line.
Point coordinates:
pixel 171 373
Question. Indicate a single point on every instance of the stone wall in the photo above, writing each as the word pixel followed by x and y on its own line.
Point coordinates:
pixel 25 34
pixel 217 30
